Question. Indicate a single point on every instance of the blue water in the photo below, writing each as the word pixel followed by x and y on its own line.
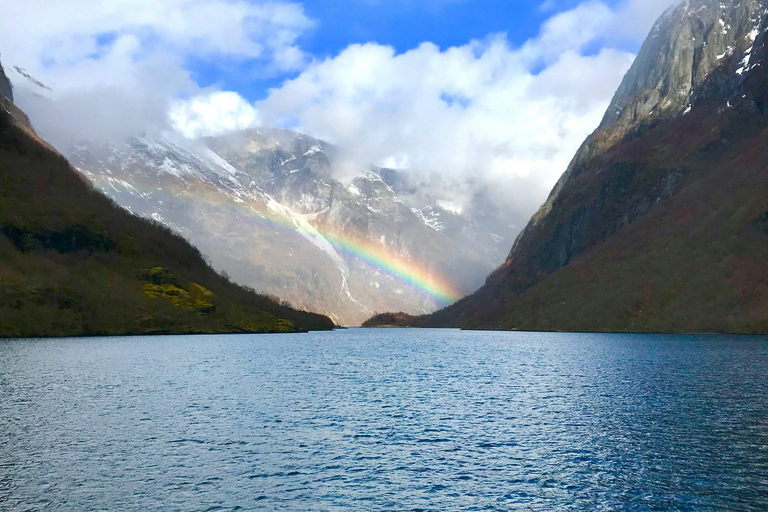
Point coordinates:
pixel 385 420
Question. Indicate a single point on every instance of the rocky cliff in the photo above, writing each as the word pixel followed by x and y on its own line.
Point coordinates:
pixel 655 224
pixel 6 102
pixel 6 91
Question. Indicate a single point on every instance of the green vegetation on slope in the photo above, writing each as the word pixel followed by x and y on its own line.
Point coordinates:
pixel 73 263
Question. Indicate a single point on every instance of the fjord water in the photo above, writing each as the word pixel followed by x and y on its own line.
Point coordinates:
pixel 385 420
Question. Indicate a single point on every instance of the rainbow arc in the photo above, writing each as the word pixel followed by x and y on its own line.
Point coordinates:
pixel 414 274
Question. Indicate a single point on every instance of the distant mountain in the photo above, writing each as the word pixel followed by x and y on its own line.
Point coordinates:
pixel 660 223
pixel 391 320
pixel 265 207
pixel 73 263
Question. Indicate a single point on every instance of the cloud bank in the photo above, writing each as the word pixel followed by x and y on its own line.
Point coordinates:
pixel 470 115
pixel 117 67
pixel 486 115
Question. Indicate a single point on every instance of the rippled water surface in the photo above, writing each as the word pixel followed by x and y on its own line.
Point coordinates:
pixel 385 420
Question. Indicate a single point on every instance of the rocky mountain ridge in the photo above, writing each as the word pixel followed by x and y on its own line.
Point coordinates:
pixel 689 111
pixel 6 90
pixel 697 51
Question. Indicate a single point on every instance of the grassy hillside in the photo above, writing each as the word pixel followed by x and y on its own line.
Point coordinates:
pixel 73 263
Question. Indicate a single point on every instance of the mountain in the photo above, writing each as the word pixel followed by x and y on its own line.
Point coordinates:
pixel 266 208
pixel 660 223
pixel 73 263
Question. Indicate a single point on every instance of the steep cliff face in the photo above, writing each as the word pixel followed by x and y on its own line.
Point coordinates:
pixel 686 117
pixel 674 69
pixel 698 51
pixel 6 103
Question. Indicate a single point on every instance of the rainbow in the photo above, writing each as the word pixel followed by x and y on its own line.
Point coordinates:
pixel 412 273
pixel 404 270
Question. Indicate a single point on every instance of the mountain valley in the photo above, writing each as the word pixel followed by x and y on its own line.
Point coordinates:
pixel 264 207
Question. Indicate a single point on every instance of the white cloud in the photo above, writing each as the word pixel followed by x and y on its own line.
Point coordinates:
pixel 484 115
pixel 213 114
pixel 634 18
pixel 476 115
pixel 116 67
pixel 480 115
pixel 569 30
pixel 62 33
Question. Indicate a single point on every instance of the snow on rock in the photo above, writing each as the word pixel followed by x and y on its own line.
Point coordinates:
pixel 429 217
pixel 450 207
pixel 313 150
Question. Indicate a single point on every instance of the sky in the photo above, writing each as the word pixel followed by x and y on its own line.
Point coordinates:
pixel 469 94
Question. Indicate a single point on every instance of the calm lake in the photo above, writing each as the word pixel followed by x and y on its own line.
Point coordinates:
pixel 385 420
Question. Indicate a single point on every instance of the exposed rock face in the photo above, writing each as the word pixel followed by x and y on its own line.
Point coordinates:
pixel 6 91
pixel 697 90
pixel 686 45
pixel 264 207
pixel 698 50
pixel 6 102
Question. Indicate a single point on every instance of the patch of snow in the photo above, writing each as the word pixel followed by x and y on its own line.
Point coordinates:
pixel 728 52
pixel 170 167
pixel 432 220
pixel 744 64
pixel 313 150
pixel 450 207
pixel 345 288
